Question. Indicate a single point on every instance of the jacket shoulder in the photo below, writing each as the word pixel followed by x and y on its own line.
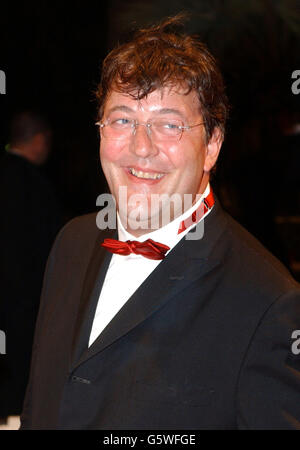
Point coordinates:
pixel 255 262
pixel 79 228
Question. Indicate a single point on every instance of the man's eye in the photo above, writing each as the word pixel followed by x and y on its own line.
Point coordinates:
pixel 121 122
pixel 170 125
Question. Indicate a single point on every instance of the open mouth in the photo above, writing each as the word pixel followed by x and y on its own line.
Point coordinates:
pixel 145 175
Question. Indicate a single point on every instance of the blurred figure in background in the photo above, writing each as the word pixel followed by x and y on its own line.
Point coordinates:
pixel 31 217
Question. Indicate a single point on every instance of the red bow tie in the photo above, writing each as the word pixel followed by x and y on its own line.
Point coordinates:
pixel 155 250
pixel 149 248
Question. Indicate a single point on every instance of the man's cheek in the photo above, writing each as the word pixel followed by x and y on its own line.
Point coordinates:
pixel 110 152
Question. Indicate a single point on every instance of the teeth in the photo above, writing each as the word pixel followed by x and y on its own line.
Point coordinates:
pixel 146 175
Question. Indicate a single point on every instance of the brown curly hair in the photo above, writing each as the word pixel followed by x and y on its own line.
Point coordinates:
pixel 159 57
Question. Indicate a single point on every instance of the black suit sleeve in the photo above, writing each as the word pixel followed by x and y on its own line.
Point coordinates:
pixel 268 392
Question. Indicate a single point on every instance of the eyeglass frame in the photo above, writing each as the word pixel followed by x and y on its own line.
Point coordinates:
pixel 148 125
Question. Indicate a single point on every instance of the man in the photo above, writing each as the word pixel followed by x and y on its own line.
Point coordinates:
pixel 183 322
pixel 30 220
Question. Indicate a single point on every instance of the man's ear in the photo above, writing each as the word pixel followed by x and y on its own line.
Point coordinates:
pixel 213 149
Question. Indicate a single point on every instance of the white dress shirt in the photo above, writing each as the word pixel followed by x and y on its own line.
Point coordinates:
pixel 126 273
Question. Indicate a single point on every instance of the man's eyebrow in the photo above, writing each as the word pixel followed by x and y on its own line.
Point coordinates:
pixel 170 111
pixel 123 108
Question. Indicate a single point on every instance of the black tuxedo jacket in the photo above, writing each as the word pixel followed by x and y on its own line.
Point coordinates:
pixel 204 343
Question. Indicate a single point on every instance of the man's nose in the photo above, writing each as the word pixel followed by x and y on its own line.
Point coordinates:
pixel 141 142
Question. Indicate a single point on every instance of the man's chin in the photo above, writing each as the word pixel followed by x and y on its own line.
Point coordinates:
pixel 139 223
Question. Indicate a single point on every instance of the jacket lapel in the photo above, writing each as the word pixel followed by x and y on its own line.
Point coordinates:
pixel 93 281
pixel 188 261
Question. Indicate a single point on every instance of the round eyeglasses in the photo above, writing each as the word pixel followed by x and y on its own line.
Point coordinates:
pixel 160 129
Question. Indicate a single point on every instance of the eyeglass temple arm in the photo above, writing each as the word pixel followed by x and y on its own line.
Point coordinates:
pixel 187 127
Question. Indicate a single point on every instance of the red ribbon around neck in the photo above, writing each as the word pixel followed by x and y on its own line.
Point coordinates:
pixel 155 250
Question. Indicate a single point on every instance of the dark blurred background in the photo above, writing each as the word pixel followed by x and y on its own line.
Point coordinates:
pixel 51 54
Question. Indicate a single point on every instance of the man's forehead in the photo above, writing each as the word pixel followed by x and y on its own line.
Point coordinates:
pixel 166 97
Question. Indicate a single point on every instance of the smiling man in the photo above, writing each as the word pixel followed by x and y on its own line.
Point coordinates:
pixel 156 145
pixel 154 325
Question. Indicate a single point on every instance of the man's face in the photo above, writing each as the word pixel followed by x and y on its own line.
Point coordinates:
pixel 180 164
